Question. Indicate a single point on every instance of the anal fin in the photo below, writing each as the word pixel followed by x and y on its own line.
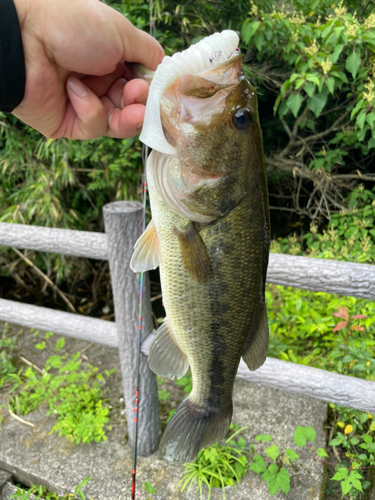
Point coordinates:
pixel 194 253
pixel 166 357
pixel 146 251
pixel 256 352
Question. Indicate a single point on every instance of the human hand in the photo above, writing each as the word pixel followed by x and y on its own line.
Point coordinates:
pixel 76 80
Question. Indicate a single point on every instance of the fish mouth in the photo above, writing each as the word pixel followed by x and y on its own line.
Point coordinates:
pixel 209 82
pixel 207 54
pixel 195 101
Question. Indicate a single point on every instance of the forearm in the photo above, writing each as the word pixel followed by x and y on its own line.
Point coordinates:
pixel 12 64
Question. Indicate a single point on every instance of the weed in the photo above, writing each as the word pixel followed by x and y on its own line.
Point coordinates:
pixel 351 481
pixel 184 382
pixel 9 376
pixel 274 466
pixel 150 489
pixel 225 465
pixel 42 493
pixel 308 333
pixel 217 466
pixel 163 394
pixel 73 394
pixel 302 327
pixel 355 434
pixel 358 356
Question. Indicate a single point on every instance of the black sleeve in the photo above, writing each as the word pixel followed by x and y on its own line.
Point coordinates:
pixel 12 63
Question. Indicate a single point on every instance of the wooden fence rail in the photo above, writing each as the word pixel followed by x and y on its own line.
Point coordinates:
pixel 320 275
pixel 63 323
pixel 122 224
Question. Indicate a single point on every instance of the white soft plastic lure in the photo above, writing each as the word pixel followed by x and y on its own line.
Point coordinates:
pixel 206 54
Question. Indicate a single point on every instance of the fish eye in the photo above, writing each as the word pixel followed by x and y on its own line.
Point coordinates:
pixel 241 119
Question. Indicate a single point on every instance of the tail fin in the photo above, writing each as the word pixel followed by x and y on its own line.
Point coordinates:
pixel 190 429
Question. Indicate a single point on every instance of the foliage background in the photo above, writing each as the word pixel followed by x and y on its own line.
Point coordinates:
pixel 312 63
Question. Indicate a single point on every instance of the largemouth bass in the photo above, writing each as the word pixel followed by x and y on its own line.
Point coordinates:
pixel 209 234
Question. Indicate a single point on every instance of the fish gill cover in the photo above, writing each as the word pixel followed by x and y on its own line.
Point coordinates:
pixel 208 53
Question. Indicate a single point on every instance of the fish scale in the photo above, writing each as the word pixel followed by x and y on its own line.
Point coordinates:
pixel 226 305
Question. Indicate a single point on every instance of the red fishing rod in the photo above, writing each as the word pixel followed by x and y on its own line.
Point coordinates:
pixel 144 195
pixel 136 399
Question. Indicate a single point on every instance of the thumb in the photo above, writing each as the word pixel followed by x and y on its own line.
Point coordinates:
pixel 138 46
pixel 85 117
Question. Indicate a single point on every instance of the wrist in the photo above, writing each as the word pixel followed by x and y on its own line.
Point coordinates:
pixel 21 8
pixel 12 74
pixel 28 14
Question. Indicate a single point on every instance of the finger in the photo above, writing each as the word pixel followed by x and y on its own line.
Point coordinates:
pixel 125 122
pixel 123 93
pixel 101 84
pixel 85 117
pixel 116 92
pixel 135 91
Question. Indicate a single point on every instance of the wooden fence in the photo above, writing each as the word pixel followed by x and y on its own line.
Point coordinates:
pixel 122 226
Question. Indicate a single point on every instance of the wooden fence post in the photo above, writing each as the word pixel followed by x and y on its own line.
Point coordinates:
pixel 122 222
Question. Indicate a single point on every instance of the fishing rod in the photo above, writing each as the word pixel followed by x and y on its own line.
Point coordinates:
pixel 136 399
pixel 144 195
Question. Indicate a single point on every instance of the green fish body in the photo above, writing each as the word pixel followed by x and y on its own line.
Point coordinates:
pixel 209 235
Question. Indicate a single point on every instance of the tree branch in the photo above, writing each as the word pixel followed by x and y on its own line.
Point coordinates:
pixel 46 278
pixel 334 127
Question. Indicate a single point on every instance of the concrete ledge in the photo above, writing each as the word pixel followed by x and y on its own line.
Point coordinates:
pixel 10 490
pixel 4 478
pixel 32 456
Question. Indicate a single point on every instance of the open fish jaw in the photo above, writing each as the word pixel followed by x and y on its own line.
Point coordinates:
pixel 207 53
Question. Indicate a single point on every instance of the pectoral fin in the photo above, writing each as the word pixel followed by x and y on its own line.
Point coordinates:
pixel 256 352
pixel 146 251
pixel 166 357
pixel 194 253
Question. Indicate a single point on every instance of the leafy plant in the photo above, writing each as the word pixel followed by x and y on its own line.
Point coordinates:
pixel 163 394
pixel 73 394
pixel 350 351
pixel 274 467
pixel 61 183
pixel 351 481
pixel 348 236
pixel 9 375
pixel 149 488
pixel 301 330
pixel 185 383
pixel 226 464
pixel 43 493
pixel 217 466
pixel 355 434
pixel 319 58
